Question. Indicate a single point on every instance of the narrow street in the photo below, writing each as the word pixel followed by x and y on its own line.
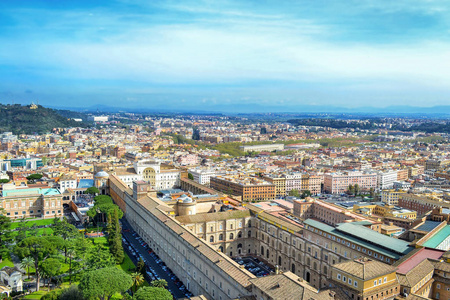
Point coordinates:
pixel 150 261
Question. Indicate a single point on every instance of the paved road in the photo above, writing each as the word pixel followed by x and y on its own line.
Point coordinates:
pixel 150 261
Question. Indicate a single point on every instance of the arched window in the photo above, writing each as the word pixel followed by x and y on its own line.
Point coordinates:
pixel 239 234
pixel 279 260
pixel 239 245
pixel 308 262
pixel 211 239
pixel 325 270
pixel 220 237
pixel 293 268
pixel 231 236
pixel 267 253
pixel 249 223
pixel 221 249
pixel 299 257
pixel 262 250
pixel 315 266
pixel 249 234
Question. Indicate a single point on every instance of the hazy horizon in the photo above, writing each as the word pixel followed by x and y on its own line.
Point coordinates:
pixel 213 54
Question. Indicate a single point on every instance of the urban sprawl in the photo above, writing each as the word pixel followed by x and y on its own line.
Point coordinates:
pixel 218 207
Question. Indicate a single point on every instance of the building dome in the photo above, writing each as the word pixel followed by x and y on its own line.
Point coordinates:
pixel 101 174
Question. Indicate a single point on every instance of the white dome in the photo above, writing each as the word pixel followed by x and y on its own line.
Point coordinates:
pixel 101 174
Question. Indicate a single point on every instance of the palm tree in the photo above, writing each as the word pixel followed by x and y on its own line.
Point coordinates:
pixel 70 253
pixel 27 263
pixel 138 279
pixel 160 283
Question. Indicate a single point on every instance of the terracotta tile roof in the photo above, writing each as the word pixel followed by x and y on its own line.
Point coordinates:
pixel 218 216
pixel 285 286
pixel 442 266
pixel 365 269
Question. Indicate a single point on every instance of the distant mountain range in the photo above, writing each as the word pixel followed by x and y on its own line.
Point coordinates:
pixel 260 108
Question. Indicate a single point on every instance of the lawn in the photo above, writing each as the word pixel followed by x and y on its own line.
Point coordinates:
pixel 32 222
pixel 40 231
pixel 127 264
pixel 6 262
pixel 35 295
pixel 101 241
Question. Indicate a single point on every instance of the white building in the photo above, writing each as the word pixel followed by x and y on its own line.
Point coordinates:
pixel 203 176
pixel 293 182
pixel 402 185
pixel 154 172
pixel 386 179
pixel 98 118
pixel 67 181
pixel 265 147
pixel 12 277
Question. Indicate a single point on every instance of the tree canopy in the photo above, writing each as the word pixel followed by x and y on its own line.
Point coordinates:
pixel 92 190
pixel 104 283
pixel 152 293
pixel 39 248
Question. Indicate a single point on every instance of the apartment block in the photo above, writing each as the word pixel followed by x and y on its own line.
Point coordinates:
pixel 337 183
pixel 249 188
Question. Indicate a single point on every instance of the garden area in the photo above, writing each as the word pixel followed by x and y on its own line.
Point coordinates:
pixel 60 262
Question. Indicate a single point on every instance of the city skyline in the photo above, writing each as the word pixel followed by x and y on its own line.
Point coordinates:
pixel 218 54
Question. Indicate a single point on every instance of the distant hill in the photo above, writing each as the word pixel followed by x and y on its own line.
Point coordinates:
pixel 33 119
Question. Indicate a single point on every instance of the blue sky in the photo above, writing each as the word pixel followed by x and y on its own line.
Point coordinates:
pixel 172 54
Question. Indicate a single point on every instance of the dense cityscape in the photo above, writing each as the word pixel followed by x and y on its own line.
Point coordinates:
pixel 162 206
pixel 225 150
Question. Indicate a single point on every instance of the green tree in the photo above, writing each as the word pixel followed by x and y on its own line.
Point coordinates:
pixel 357 190
pixel 160 283
pixel 305 194
pixel 4 180
pixel 27 263
pixel 21 230
pixel 34 177
pixel 92 190
pixel 190 176
pixel 351 189
pixel 104 283
pixel 45 160
pixel 50 267
pixel 196 134
pixel 70 253
pixel 115 239
pixel 294 193
pixel 152 293
pixel 39 248
pixel 71 293
pixel 66 231
pixel 140 267
pixel 5 234
pixel 138 279
pixel 98 257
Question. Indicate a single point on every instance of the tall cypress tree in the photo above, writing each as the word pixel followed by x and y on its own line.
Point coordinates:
pixel 115 239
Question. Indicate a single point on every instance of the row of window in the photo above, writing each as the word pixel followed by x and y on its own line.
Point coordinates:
pixel 32 212
pixel 347 280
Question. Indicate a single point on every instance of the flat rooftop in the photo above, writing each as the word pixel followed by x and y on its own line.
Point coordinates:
pixel 30 191
pixel 417 258
pixel 438 238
